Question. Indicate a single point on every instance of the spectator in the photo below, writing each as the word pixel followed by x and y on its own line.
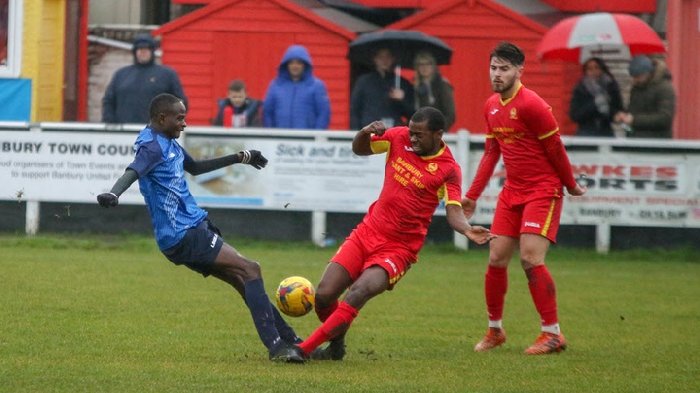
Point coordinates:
pixel 376 95
pixel 132 88
pixel 237 109
pixel 595 100
pixel 432 89
pixel 296 98
pixel 652 100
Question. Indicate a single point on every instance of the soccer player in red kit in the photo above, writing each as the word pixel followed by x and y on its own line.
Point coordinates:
pixel 522 129
pixel 420 171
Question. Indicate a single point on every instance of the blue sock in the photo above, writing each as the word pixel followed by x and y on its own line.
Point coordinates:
pixel 261 311
pixel 285 331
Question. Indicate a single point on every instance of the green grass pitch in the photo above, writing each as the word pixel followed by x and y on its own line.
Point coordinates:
pixel 99 314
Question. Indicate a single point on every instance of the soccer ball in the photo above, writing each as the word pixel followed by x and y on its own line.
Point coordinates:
pixel 295 296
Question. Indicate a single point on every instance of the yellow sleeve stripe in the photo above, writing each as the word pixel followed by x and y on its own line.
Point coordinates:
pixel 379 146
pixel 547 135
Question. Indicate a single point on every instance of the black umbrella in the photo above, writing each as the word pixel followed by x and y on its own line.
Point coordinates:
pixel 404 44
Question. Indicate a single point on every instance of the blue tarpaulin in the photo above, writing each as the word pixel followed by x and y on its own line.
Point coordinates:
pixel 15 99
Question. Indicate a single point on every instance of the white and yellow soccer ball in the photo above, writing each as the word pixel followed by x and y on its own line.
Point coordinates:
pixel 295 296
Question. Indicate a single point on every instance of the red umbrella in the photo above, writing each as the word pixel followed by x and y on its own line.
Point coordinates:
pixel 599 34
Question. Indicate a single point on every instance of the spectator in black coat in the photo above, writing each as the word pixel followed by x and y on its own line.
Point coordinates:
pixel 132 88
pixel 595 100
pixel 377 96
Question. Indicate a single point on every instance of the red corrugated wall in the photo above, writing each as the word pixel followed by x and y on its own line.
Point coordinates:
pixel 684 62
pixel 247 41
pixel 472 29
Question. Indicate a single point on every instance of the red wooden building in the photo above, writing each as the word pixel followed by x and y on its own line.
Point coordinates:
pixel 246 39
pixel 472 28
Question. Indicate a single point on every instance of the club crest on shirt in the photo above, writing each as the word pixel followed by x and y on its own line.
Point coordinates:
pixel 513 114
pixel 431 167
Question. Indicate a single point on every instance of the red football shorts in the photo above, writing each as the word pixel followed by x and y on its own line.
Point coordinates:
pixel 366 247
pixel 537 212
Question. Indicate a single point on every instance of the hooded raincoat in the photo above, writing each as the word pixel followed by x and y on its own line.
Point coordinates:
pixel 303 103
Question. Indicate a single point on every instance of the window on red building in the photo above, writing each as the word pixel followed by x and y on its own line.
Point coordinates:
pixel 10 37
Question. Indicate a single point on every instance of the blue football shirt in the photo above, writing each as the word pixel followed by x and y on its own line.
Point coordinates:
pixel 159 162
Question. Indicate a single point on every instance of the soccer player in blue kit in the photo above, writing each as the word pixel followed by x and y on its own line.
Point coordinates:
pixel 183 232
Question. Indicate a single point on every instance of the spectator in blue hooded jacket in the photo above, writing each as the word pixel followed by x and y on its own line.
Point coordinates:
pixel 296 98
pixel 129 93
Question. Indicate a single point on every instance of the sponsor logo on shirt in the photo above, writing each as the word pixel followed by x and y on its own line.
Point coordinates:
pixel 532 224
pixel 213 241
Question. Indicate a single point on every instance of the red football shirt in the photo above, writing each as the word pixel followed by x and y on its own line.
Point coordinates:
pixel 413 187
pixel 520 125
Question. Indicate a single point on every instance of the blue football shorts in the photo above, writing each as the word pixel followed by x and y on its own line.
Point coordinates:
pixel 198 249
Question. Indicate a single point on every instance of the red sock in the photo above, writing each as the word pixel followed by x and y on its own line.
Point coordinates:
pixel 495 288
pixel 543 293
pixel 324 313
pixel 336 324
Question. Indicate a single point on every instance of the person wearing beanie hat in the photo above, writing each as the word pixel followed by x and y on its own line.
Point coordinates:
pixel 132 88
pixel 640 65
pixel 652 101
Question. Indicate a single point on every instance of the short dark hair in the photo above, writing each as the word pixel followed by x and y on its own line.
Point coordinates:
pixel 162 103
pixel 508 51
pixel 236 85
pixel 435 118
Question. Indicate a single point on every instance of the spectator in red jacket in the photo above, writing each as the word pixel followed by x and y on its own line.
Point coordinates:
pixel 237 109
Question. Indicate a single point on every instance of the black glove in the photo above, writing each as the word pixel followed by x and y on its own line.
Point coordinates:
pixel 253 158
pixel 108 199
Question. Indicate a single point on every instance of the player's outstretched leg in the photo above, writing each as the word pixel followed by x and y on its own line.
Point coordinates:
pixel 263 317
pixel 335 350
pixel 285 331
pixel 335 326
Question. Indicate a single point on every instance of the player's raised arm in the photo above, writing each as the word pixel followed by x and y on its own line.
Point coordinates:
pixel 111 198
pixel 251 157
pixel 361 142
